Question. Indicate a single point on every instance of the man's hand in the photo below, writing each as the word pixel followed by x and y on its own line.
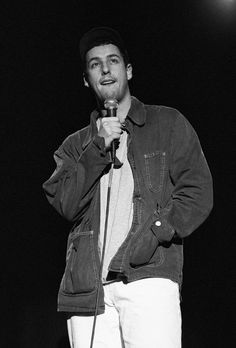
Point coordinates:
pixel 110 129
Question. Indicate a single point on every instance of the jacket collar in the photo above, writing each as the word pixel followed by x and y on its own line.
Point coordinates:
pixel 136 113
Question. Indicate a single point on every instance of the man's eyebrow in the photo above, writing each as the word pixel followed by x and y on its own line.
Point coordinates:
pixel 93 58
pixel 114 55
pixel 109 56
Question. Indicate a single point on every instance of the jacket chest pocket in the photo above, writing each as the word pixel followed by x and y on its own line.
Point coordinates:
pixel 155 165
pixel 80 272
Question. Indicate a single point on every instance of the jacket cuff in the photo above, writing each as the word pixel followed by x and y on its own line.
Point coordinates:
pixel 163 230
pixel 99 142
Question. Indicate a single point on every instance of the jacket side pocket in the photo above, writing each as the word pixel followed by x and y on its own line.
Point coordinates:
pixel 146 249
pixel 80 272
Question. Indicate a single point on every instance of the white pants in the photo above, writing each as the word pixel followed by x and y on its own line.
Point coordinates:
pixel 142 314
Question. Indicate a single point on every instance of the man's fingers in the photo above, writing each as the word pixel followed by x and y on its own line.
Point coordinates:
pixel 110 129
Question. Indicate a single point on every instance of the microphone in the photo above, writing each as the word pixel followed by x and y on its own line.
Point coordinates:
pixel 111 105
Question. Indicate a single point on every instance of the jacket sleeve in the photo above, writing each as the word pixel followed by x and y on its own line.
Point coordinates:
pixel 191 199
pixel 71 187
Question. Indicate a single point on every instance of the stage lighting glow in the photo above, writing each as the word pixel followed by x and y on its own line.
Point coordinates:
pixel 223 3
pixel 226 9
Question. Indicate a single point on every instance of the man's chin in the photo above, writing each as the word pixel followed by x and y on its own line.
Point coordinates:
pixel 109 94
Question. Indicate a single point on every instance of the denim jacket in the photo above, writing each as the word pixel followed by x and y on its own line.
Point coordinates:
pixel 172 196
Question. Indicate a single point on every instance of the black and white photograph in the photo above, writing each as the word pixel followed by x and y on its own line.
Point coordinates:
pixel 118 172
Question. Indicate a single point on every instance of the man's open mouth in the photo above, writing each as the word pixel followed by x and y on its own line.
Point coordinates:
pixel 107 82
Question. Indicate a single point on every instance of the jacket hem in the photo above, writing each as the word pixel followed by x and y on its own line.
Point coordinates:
pixel 80 310
pixel 137 275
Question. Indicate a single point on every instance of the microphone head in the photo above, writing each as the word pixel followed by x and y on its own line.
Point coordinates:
pixel 111 103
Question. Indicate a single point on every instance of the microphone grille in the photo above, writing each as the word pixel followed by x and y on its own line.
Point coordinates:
pixel 111 103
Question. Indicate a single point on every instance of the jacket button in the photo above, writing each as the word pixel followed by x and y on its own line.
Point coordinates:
pixel 158 223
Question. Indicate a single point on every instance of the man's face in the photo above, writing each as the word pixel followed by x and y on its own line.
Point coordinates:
pixel 106 73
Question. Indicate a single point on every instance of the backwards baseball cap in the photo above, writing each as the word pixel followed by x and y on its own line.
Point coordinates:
pixel 99 36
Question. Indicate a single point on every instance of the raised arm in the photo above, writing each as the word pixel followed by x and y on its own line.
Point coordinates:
pixel 71 187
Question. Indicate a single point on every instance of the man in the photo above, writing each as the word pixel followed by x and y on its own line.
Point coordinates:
pixel 161 191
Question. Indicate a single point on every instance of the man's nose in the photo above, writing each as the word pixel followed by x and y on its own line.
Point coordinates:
pixel 105 68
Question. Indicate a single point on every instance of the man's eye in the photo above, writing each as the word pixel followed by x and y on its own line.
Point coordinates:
pixel 114 60
pixel 94 65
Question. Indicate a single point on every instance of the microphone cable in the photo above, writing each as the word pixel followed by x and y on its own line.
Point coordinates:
pixel 103 251
pixel 110 105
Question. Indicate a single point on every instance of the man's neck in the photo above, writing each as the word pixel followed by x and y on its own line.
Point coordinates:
pixel 123 109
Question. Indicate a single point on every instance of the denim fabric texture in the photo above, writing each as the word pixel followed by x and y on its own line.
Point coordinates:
pixel 172 196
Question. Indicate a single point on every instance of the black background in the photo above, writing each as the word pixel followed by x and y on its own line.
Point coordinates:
pixel 183 55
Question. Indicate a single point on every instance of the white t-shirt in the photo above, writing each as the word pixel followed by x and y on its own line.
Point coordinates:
pixel 121 205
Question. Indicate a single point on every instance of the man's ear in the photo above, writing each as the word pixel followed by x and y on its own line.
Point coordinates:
pixel 129 71
pixel 85 80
